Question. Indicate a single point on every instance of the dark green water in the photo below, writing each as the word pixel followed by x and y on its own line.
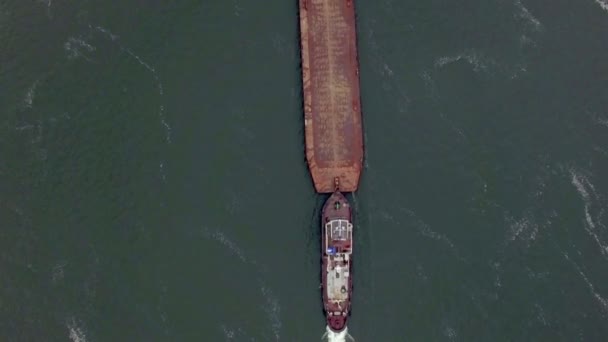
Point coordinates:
pixel 153 185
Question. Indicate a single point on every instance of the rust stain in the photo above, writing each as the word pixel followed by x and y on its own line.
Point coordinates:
pixel 332 116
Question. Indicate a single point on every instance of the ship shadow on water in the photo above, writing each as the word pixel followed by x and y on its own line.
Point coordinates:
pixel 315 242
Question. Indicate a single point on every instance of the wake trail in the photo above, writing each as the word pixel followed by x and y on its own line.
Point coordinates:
pixel 591 200
pixel 159 85
pixel 603 4
pixel 271 305
pixel 332 336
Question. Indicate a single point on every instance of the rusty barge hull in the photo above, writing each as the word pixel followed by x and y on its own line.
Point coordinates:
pixel 330 77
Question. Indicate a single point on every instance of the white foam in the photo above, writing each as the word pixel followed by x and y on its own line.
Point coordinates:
pixel 238 9
pixel 381 66
pixel 585 190
pixel 601 300
pixel 24 127
pixel 332 336
pixel 602 121
pixel 429 84
pixel 388 70
pixel 162 171
pixel 525 14
pixel 577 181
pixel 273 310
pixel 481 62
pixel 48 4
pixel 224 240
pixel 106 31
pixel 272 307
pixel 541 316
pixel 151 69
pixel 76 334
pixel 228 333
pixel 603 4
pixel 58 272
pixel 477 60
pixel 75 47
pixel 159 85
pixel 450 332
pixel 29 95
pixel 523 229
pixel 425 230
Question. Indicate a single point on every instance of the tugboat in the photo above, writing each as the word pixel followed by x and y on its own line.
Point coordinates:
pixel 337 245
